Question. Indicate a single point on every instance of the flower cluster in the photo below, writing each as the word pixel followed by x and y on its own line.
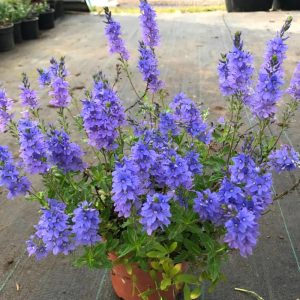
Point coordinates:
pixel 189 117
pixel 235 70
pixel 125 188
pixel 102 116
pixel 86 224
pixel 54 232
pixel 167 124
pixel 284 159
pixel 28 95
pixel 33 148
pixel 149 69
pixel 5 107
pixel 113 34
pixel 149 25
pixel 155 212
pixel 66 155
pixel 10 177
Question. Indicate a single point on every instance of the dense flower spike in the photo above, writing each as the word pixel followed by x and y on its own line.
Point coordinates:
pixel 60 96
pixel 270 78
pixel 9 175
pixel 294 88
pixel 125 187
pixel 167 124
pixel 235 70
pixel 148 24
pixel 113 34
pixel 5 108
pixel 66 155
pixel 192 159
pixel 187 114
pixel 242 232
pixel 52 232
pixel 155 213
pixel 44 77
pixel 33 148
pixel 102 116
pixel 208 205
pixel 28 96
pixel 86 224
pixel 148 66
pixel 284 159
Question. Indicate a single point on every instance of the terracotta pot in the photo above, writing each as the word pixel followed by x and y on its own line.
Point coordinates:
pixel 125 289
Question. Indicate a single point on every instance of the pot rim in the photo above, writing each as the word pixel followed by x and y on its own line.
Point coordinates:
pixel 7 26
pixel 49 11
pixel 31 19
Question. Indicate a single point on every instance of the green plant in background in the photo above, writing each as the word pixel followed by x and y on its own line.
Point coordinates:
pixel 5 14
pixel 40 7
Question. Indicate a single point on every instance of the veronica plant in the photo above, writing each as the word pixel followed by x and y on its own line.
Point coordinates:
pixel 157 184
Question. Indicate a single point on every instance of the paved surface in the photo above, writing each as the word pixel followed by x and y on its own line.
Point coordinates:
pixel 174 2
pixel 188 56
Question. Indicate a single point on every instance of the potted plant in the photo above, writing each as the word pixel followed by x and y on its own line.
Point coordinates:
pixel 58 6
pixel 289 4
pixel 249 5
pixel 17 15
pixel 46 15
pixel 6 28
pixel 30 24
pixel 160 195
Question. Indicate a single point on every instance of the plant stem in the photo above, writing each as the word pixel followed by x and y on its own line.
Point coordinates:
pixel 292 188
pixel 249 292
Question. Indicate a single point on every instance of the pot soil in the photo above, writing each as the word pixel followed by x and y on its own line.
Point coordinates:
pixel 289 4
pixel 46 19
pixel 126 289
pixel 7 38
pixel 249 5
pixel 30 29
pixel 17 32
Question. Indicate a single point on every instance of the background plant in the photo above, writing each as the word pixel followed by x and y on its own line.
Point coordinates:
pixel 164 186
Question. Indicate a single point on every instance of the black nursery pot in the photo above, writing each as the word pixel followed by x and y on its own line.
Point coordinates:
pixel 17 32
pixel 289 4
pixel 46 19
pixel 30 29
pixel 58 6
pixel 248 5
pixel 7 38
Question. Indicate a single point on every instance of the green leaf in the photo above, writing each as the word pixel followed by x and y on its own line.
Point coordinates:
pixel 155 254
pixel 196 293
pixel 186 278
pixel 186 292
pixel 172 247
pixel 165 283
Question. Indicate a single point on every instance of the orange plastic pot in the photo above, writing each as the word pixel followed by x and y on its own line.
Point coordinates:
pixel 126 289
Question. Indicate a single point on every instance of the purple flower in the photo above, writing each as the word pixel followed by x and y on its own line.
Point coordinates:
pixel 86 224
pixel 270 78
pixel 167 124
pixel 260 185
pixel 143 156
pixel 102 116
pixel 9 175
pixel 44 77
pixel 28 96
pixel 230 193
pixel 208 205
pixel 5 107
pixel 33 148
pixel 113 34
pixel 175 171
pixel 155 213
pixel 59 92
pixel 148 24
pixel 189 117
pixel 242 232
pixel 235 70
pixel 243 168
pixel 53 233
pixel 66 155
pixel 284 159
pixel 192 159
pixel 294 88
pixel 125 187
pixel 148 66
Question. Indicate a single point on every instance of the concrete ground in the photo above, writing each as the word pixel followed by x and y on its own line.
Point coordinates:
pixel 189 52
